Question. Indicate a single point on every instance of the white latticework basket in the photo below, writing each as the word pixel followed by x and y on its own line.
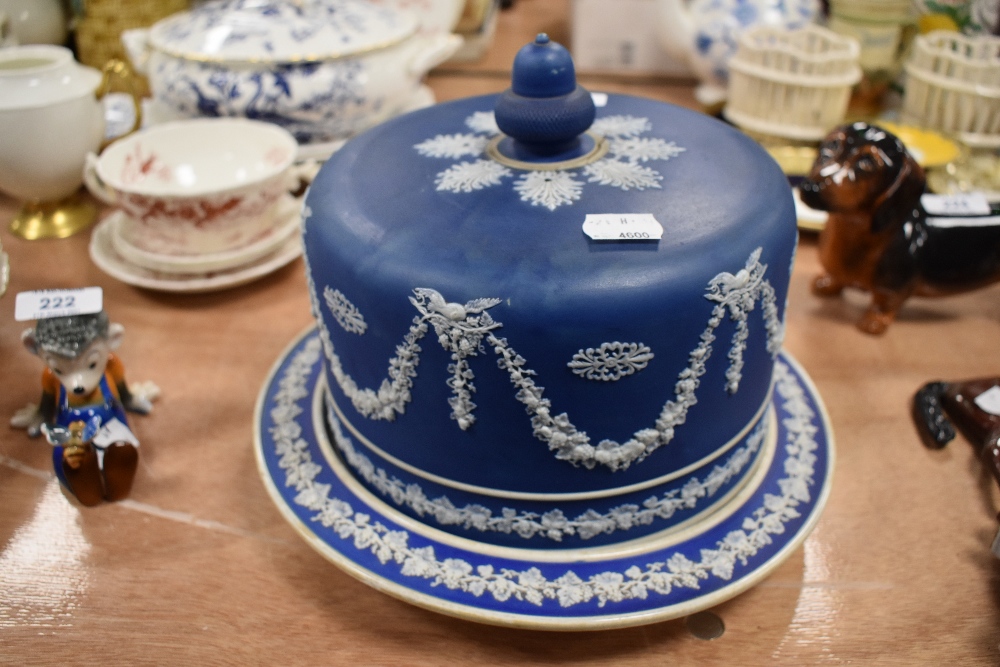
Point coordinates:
pixel 953 86
pixel 791 83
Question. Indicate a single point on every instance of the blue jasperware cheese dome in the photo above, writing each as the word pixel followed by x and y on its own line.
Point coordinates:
pixel 545 341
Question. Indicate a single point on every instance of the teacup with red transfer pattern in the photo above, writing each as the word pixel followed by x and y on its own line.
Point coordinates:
pixel 196 186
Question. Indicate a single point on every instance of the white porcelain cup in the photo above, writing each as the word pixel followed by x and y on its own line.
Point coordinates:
pixel 196 186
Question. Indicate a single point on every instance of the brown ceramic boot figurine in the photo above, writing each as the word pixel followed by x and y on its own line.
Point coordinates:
pixel 80 467
pixel 974 407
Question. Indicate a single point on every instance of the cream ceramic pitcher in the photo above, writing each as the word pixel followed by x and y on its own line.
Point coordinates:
pixel 52 116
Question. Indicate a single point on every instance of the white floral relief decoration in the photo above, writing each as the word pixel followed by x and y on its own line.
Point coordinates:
pixel 465 329
pixel 551 189
pixel 483 122
pixel 611 361
pixel 621 168
pixel 453 145
pixel 532 585
pixel 469 176
pixel 346 313
pixel 553 524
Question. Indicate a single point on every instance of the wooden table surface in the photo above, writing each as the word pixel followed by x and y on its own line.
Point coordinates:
pixel 198 567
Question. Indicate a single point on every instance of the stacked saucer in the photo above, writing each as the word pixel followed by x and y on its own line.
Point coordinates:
pixel 115 254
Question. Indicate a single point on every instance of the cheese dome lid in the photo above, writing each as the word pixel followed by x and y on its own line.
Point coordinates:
pixel 545 163
pixel 280 30
pixel 643 222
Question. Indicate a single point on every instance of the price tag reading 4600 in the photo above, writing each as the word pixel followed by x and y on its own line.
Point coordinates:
pixel 622 227
pixel 44 304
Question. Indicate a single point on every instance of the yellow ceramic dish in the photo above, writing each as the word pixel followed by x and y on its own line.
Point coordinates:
pixel 794 160
pixel 929 148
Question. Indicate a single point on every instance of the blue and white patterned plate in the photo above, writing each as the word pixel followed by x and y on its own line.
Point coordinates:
pixel 663 576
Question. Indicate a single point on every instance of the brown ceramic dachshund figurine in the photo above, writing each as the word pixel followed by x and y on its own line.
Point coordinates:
pixel 878 237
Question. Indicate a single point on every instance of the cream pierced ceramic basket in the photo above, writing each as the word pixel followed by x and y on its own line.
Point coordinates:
pixel 953 86
pixel 792 83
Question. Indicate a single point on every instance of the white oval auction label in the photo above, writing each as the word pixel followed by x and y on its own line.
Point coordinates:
pixel 622 227
pixel 966 203
pixel 43 304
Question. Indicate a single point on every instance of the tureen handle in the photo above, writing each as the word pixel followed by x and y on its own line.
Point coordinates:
pixel 136 43
pixel 433 50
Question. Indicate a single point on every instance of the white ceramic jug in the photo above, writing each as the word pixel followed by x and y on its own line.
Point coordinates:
pixel 705 33
pixel 51 117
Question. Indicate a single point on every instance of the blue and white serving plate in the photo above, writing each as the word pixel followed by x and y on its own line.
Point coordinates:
pixel 659 577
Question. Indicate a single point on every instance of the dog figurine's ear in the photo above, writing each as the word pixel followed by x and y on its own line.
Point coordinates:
pixel 898 201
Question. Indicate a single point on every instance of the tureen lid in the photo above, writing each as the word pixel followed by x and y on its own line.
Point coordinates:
pixel 280 30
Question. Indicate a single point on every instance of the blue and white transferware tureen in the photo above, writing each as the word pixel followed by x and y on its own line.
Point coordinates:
pixel 322 69
pixel 546 387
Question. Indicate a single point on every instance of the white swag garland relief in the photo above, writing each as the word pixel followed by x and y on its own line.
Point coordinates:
pixel 621 168
pixel 463 330
pixel 553 524
pixel 346 313
pixel 531 585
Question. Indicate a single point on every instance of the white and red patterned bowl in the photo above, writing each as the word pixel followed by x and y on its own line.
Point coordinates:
pixel 196 186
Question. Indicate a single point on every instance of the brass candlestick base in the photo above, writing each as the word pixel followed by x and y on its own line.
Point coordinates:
pixel 45 220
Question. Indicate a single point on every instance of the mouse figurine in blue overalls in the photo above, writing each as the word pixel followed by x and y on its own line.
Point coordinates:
pixel 82 410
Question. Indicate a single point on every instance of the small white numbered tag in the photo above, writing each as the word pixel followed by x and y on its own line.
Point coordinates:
pixel 989 401
pixel 112 432
pixel 43 304
pixel 971 203
pixel 622 227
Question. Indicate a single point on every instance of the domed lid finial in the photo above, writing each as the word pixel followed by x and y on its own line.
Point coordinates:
pixel 544 111
pixel 543 68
